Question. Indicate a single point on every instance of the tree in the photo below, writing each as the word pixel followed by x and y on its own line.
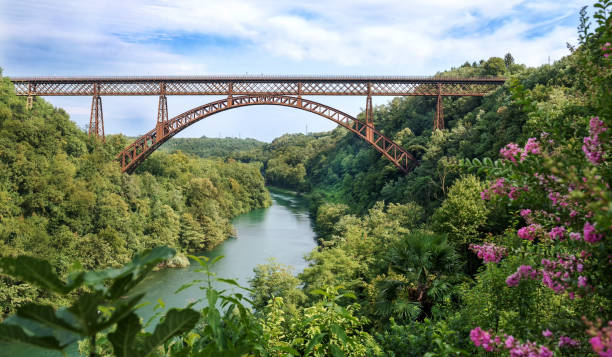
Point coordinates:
pixel 508 60
pixel 495 66
pixel 423 268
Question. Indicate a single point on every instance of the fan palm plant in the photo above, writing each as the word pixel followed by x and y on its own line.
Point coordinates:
pixel 422 270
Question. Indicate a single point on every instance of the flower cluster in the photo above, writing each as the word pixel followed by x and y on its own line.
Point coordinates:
pixel 592 146
pixel 511 151
pixel 559 274
pixel 530 232
pixel 523 272
pixel 590 234
pixel 489 253
pixel 607 47
pixel 502 188
pixel 491 343
pixel 601 338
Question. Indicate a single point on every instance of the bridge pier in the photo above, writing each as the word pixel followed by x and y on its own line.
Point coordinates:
pixel 369 116
pixel 439 116
pixel 162 113
pixel 30 102
pixel 96 118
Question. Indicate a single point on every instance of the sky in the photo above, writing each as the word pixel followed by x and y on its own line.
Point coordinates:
pixel 313 37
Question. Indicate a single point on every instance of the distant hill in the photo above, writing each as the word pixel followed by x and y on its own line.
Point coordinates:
pixel 211 147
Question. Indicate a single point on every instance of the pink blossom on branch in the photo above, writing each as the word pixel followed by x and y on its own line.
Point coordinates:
pixel 530 232
pixel 491 343
pixel 489 253
pixel 590 234
pixel 592 146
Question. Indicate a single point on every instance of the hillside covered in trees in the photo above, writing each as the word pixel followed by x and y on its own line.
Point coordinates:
pixel 63 197
pixel 498 243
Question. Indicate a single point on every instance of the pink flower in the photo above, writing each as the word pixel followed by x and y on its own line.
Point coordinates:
pixel 592 146
pixel 590 234
pixel 510 151
pixel 529 232
pixel 557 233
pixel 575 236
pixel 485 195
pixel 523 272
pixel 531 147
pixel 489 253
pixel 567 341
pixel 582 282
pixel 547 333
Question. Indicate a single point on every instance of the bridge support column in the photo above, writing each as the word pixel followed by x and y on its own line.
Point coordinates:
pixel 162 114
pixel 369 116
pixel 96 119
pixel 439 117
pixel 30 101
pixel 230 92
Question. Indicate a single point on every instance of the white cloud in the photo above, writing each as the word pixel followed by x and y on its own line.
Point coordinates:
pixel 267 36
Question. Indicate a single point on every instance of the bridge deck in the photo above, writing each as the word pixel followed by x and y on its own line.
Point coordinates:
pixel 255 85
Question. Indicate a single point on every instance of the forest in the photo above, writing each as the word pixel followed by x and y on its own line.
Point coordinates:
pixel 498 243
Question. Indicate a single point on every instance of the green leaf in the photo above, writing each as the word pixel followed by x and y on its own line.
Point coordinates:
pixel 339 331
pixel 86 309
pixel 187 286
pixel 336 351
pixel 230 282
pixel 123 337
pixel 315 341
pixel 12 333
pixel 175 323
pixel 122 310
pixel 46 316
pixel 290 350
pixel 38 272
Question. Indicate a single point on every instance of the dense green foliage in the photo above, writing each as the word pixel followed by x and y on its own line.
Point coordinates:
pixel 211 147
pixel 64 199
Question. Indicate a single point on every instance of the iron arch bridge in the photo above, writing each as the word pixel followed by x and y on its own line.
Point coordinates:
pixel 254 90
pixel 140 149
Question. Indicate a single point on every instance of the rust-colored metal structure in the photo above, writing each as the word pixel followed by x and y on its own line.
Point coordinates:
pixel 255 90
pixel 140 149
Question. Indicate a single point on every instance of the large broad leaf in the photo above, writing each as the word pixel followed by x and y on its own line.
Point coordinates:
pixel 137 269
pixel 336 351
pixel 122 310
pixel 123 337
pixel 12 333
pixel 175 323
pixel 315 341
pixel 86 309
pixel 46 315
pixel 339 332
pixel 38 272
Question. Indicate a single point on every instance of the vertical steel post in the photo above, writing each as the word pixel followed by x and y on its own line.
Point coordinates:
pixel 439 118
pixel 299 91
pixel 96 118
pixel 230 92
pixel 369 116
pixel 162 113
pixel 30 101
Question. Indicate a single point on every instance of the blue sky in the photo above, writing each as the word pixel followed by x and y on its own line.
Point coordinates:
pixel 313 37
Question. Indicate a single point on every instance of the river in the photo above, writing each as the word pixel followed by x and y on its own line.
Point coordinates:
pixel 282 231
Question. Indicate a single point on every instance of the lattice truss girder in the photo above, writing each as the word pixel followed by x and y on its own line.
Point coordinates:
pixel 417 87
pixel 143 146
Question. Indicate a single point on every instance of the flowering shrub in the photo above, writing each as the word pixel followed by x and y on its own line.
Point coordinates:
pixel 601 340
pixel 489 253
pixel 559 185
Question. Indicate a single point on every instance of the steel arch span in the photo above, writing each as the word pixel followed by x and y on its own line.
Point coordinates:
pixel 144 146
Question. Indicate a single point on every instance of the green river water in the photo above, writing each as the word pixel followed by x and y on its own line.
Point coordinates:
pixel 282 231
